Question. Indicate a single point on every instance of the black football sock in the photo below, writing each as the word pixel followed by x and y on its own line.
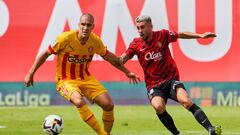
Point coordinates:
pixel 167 121
pixel 200 116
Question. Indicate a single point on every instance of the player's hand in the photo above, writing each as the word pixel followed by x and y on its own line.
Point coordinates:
pixel 208 35
pixel 28 80
pixel 133 79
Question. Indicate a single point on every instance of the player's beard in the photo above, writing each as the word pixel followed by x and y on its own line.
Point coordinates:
pixel 145 37
pixel 148 36
pixel 85 34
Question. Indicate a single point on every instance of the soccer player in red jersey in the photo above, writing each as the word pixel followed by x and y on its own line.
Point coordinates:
pixel 75 50
pixel 161 72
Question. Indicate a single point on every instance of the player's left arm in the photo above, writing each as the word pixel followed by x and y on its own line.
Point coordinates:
pixel 191 35
pixel 123 58
pixel 114 60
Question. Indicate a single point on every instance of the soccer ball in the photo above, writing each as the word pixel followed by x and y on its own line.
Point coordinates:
pixel 53 125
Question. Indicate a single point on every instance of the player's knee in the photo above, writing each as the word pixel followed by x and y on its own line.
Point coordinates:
pixel 187 102
pixel 108 106
pixel 159 108
pixel 78 102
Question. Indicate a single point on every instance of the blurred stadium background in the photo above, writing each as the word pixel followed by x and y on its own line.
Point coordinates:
pixel 209 68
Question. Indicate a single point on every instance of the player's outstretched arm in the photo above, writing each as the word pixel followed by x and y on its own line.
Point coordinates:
pixel 28 80
pixel 123 58
pixel 114 60
pixel 191 35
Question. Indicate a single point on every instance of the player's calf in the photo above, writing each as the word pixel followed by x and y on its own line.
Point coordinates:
pixel 200 116
pixel 168 122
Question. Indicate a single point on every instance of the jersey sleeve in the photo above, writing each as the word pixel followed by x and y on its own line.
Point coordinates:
pixel 57 45
pixel 131 51
pixel 170 36
pixel 101 48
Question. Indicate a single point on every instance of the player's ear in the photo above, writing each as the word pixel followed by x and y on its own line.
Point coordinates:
pixel 151 25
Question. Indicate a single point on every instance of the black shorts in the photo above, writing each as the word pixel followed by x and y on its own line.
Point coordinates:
pixel 166 90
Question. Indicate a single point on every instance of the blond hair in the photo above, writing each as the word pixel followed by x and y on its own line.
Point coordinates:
pixel 143 18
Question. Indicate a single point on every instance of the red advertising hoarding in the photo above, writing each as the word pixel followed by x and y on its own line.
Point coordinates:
pixel 27 27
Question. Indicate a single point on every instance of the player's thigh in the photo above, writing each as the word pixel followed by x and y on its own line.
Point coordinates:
pixel 66 87
pixel 158 98
pixel 159 104
pixel 69 90
pixel 104 101
pixel 92 89
pixel 183 97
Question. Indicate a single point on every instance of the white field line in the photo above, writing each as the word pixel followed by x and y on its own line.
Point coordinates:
pixel 200 132
pixel 2 126
pixel 152 132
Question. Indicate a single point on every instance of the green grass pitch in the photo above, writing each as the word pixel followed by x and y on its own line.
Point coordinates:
pixel 129 120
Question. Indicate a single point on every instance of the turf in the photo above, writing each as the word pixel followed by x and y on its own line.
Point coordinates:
pixel 129 120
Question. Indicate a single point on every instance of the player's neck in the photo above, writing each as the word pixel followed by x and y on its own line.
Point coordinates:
pixel 82 39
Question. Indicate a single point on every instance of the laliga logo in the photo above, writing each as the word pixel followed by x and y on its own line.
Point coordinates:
pixel 153 56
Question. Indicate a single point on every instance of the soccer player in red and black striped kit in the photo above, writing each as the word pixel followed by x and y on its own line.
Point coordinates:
pixel 161 72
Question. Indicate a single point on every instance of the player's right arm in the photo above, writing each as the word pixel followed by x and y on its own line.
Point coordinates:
pixel 52 49
pixel 28 80
pixel 129 53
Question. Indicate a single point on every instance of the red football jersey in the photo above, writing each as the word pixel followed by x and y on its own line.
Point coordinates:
pixel 155 57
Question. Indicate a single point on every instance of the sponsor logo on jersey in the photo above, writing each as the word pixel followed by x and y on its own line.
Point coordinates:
pixel 90 49
pixel 76 60
pixel 154 56
pixel 171 33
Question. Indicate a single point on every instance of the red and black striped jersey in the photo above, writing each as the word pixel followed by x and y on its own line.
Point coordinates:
pixel 155 57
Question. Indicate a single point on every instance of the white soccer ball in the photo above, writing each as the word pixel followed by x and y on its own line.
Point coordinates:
pixel 53 125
